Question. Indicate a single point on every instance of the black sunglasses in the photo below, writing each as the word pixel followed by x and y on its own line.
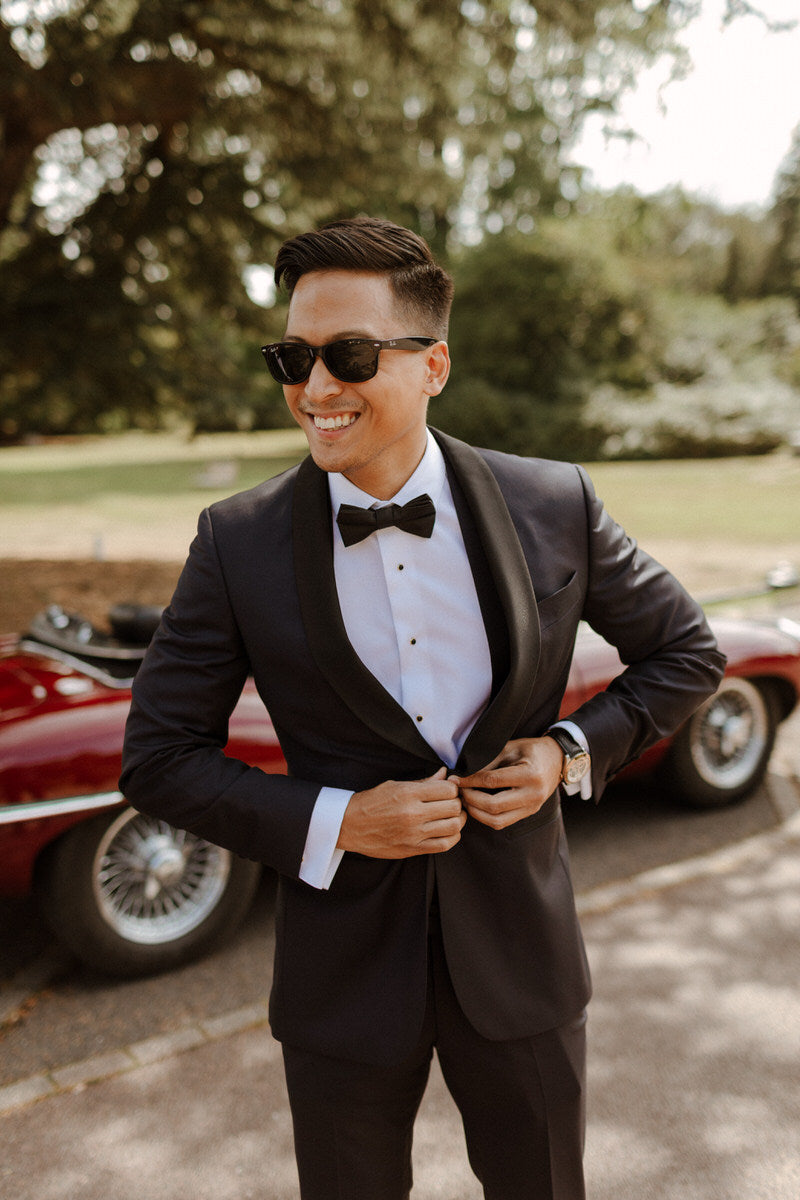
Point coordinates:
pixel 352 360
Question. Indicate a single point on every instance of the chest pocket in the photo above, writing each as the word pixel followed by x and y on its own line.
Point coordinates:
pixel 559 615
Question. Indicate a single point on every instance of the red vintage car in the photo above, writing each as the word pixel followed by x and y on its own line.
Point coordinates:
pixel 132 895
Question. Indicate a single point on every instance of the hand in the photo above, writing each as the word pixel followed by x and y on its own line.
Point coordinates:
pixel 402 819
pixel 527 772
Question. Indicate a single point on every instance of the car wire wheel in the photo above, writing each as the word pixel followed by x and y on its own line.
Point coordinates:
pixel 154 883
pixel 130 895
pixel 721 753
pixel 728 736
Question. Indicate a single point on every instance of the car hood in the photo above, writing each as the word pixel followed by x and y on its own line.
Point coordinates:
pixel 750 638
pixel 20 689
pixel 28 681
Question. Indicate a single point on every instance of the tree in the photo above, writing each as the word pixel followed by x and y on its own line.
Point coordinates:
pixel 152 152
pixel 782 274
pixel 560 319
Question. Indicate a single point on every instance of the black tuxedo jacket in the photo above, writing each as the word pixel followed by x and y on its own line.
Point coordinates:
pixel 257 595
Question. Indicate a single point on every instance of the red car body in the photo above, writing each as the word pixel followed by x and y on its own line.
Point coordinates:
pixel 61 737
pixel 62 720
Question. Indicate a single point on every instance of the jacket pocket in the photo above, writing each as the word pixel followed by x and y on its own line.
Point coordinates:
pixel 553 608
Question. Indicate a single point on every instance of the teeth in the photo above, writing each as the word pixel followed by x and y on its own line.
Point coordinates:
pixel 337 422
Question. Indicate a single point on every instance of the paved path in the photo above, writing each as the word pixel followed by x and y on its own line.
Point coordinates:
pixel 694 1082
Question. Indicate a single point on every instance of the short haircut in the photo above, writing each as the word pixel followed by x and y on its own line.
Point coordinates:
pixel 423 289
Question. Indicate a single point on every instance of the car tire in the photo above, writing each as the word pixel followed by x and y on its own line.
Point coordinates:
pixel 131 896
pixel 721 753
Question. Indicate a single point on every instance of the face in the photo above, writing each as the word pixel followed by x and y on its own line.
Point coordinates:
pixel 373 432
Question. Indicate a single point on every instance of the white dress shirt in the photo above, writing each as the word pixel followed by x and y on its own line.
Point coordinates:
pixel 412 615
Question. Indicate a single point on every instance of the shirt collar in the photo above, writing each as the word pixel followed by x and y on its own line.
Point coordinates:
pixel 429 477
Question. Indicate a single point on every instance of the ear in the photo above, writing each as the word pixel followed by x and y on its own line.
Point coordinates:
pixel 437 362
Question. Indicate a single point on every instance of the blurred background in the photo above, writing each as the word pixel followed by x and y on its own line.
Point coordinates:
pixel 614 184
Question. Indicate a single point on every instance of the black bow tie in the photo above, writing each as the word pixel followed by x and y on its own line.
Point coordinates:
pixel 356 523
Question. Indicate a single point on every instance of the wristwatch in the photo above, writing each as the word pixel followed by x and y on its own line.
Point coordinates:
pixel 576 760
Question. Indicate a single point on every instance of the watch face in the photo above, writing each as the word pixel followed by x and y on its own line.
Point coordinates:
pixel 576 768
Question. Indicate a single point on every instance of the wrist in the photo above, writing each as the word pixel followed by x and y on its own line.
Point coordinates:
pixel 575 760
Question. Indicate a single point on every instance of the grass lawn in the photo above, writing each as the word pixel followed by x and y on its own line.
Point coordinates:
pixel 139 464
pixel 157 481
pixel 137 496
pixel 732 499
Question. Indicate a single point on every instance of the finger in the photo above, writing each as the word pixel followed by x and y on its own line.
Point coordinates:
pixel 494 802
pixel 515 775
pixel 437 841
pixel 498 768
pixel 511 753
pixel 437 845
pixel 441 810
pixel 444 826
pixel 500 820
pixel 477 778
pixel 436 787
pixel 432 792
pixel 440 774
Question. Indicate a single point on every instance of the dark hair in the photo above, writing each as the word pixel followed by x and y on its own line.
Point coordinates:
pixel 422 288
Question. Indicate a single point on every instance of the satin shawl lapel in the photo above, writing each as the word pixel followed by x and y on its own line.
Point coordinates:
pixel 511 577
pixel 312 540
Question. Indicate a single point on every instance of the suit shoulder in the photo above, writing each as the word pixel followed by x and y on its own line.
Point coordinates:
pixel 549 478
pixel 272 496
pixel 532 485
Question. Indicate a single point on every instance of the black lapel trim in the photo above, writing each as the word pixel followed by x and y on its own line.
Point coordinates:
pixel 312 541
pixel 512 579
pixel 494 618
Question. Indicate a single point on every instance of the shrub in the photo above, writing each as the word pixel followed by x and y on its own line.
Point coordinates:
pixel 537 320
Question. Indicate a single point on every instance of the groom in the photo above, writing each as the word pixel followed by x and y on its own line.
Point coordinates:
pixel 407 606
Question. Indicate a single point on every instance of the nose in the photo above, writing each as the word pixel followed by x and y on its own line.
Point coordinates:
pixel 320 384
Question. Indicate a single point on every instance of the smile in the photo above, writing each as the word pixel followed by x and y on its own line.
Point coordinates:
pixel 340 421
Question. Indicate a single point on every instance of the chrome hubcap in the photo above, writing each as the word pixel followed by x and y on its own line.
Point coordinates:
pixel 164 865
pixel 729 734
pixel 154 884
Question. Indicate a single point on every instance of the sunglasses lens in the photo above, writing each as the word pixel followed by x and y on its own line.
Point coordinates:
pixel 289 363
pixel 351 361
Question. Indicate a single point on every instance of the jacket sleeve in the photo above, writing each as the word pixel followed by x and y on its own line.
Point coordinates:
pixel 174 765
pixel 671 656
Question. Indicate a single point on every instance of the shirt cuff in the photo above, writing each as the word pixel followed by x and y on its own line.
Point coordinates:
pixel 320 855
pixel 585 784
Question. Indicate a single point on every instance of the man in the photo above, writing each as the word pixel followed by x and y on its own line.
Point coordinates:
pixel 414 680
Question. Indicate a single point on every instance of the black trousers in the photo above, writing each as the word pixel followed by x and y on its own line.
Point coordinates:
pixel 522 1103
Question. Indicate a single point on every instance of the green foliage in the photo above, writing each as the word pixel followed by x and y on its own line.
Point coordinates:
pixel 782 272
pixel 151 152
pixel 565 346
pixel 535 321
pixel 671 241
pixel 725 389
